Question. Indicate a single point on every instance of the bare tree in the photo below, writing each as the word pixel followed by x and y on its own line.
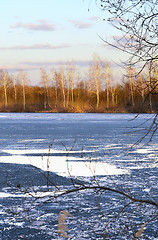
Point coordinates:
pixel 22 76
pixel 15 90
pixel 113 85
pixel 45 80
pixel 57 84
pixel 95 78
pixel 63 85
pixel 5 88
pixel 107 81
pixel 72 82
pixel 131 79
pixel 137 22
pixel 68 84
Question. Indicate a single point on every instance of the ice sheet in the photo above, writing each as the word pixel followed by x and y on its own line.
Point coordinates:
pixel 64 166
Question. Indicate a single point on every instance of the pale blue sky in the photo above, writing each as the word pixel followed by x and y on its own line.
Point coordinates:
pixel 44 33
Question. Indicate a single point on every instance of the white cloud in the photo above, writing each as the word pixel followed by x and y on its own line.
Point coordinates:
pixel 35 46
pixel 40 25
pixel 80 63
pixel 27 66
pixel 80 24
pixel 93 18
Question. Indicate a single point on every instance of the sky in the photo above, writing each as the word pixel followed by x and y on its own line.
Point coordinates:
pixel 47 33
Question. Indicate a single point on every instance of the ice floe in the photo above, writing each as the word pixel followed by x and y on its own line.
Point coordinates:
pixel 62 165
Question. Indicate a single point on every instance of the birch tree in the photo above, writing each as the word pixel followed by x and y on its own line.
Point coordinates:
pixel 107 82
pixel 63 85
pixel 72 82
pixel 130 73
pixel 68 83
pixel 55 76
pixel 22 76
pixel 96 75
pixel 4 77
pixel 143 87
pixel 113 85
pixel 45 80
pixel 15 90
pixel 136 22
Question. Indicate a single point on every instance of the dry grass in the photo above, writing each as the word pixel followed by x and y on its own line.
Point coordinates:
pixel 62 228
pixel 141 230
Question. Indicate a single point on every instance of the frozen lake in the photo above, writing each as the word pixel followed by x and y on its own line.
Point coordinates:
pixel 80 145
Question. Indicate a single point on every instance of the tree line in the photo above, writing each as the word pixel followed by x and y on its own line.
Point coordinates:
pixel 65 90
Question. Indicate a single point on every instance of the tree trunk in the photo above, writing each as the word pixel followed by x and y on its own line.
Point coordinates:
pixel 107 85
pixel 97 79
pixel 15 92
pixel 55 85
pixel 22 77
pixel 72 85
pixel 131 83
pixel 63 87
pixel 46 94
pixel 68 84
pixel 5 89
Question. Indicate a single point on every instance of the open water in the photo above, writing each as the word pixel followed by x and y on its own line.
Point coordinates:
pixel 93 149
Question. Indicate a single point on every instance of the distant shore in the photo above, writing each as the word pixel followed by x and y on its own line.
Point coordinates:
pixel 69 110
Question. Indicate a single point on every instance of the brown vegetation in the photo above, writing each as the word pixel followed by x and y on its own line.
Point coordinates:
pixel 64 91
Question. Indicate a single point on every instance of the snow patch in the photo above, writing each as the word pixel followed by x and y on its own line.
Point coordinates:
pixel 41 151
pixel 66 166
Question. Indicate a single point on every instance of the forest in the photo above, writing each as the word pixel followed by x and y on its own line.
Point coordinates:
pixel 65 90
